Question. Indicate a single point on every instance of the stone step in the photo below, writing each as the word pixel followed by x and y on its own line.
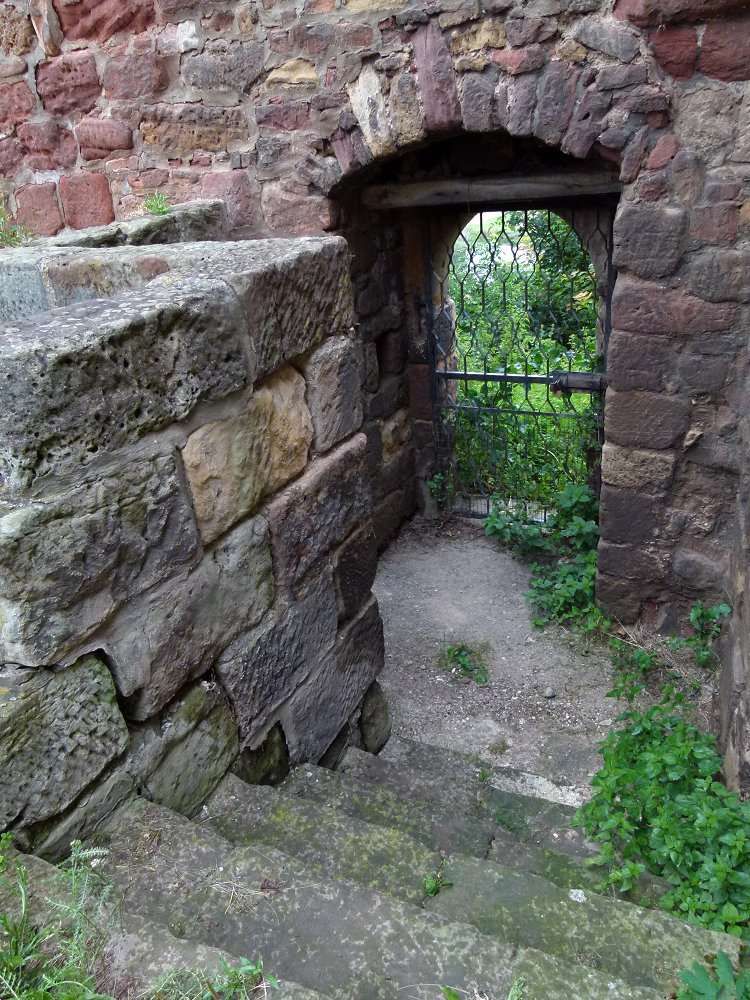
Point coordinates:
pixel 142 954
pixel 336 845
pixel 419 772
pixel 333 936
pixel 640 946
pixel 236 806
pixel 576 925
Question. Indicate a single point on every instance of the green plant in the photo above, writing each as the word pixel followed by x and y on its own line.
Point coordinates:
pixel 517 989
pixel 240 983
pixel 157 203
pixel 59 959
pixel 716 982
pixel 434 882
pixel 449 994
pixel 657 805
pixel 561 587
pixel 465 661
pixel 12 233
pixel 707 624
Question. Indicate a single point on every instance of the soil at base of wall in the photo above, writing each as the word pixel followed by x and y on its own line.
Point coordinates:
pixel 445 582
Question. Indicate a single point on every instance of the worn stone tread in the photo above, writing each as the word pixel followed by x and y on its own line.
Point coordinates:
pixel 334 844
pixel 640 946
pixel 236 806
pixel 432 824
pixel 457 781
pixel 140 954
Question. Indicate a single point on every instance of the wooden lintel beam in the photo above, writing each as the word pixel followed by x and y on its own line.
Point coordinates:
pixel 489 191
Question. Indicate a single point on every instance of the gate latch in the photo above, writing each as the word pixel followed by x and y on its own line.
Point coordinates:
pixel 563 383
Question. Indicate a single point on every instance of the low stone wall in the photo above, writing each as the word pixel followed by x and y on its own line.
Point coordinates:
pixel 186 537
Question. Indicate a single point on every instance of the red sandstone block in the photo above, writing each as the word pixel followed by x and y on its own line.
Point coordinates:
pixel 234 188
pixel 49 147
pixel 354 36
pixel 725 49
pixel 664 151
pixel 11 155
pixel 132 74
pixel 647 307
pixel 87 200
pixel 98 20
pixel 16 103
pixel 715 223
pixel 38 209
pixel 286 116
pixel 676 50
pixel 68 83
pixel 101 136
pixel 652 13
pixel 516 61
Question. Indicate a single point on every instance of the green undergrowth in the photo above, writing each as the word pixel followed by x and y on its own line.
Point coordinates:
pixel 465 661
pixel 658 803
pixel 12 233
pixel 563 554
pixel 61 956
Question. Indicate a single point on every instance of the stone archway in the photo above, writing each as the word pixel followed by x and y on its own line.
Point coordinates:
pixel 671 459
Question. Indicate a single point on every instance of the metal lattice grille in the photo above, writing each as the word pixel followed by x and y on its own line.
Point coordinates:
pixel 520 322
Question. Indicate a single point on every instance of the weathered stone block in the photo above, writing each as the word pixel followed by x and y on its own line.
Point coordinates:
pixel 389 514
pixel 333 375
pixel 646 307
pixel 437 79
pixel 38 209
pixel 725 49
pixel 628 516
pixel 721 275
pixel 319 710
pixel 68 83
pixel 630 562
pixel 16 103
pixel 355 564
pixel 235 190
pixel 103 374
pixel 318 511
pixel 612 39
pixel 697 571
pixel 98 20
pixel 48 146
pixel 175 128
pixel 648 239
pixel 636 469
pixel 98 137
pixel 263 667
pixel 11 156
pixel 645 419
pixel 647 13
pixel 86 200
pixel 487 34
pixel 639 362
pixel 16 33
pixel 231 464
pixel 173 633
pixel 676 50
pixel 556 100
pixel 478 105
pixel 68 561
pixel 58 731
pixel 195 747
pixel 368 105
pixel 225 66
pixel 132 74
pixel 515 61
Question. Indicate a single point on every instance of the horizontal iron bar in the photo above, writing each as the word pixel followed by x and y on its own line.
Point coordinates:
pixel 555 414
pixel 564 381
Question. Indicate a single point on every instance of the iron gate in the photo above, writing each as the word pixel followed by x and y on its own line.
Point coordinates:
pixel 520 322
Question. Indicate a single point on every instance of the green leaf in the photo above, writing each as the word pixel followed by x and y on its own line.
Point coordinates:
pixel 449 994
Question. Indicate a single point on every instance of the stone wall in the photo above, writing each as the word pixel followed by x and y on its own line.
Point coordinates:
pixel 186 538
pixel 296 111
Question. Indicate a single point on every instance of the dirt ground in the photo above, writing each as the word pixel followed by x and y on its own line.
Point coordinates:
pixel 447 583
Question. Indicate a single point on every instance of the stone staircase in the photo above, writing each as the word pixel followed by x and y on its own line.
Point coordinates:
pixel 323 877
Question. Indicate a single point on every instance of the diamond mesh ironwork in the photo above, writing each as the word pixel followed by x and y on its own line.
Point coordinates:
pixel 520 322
